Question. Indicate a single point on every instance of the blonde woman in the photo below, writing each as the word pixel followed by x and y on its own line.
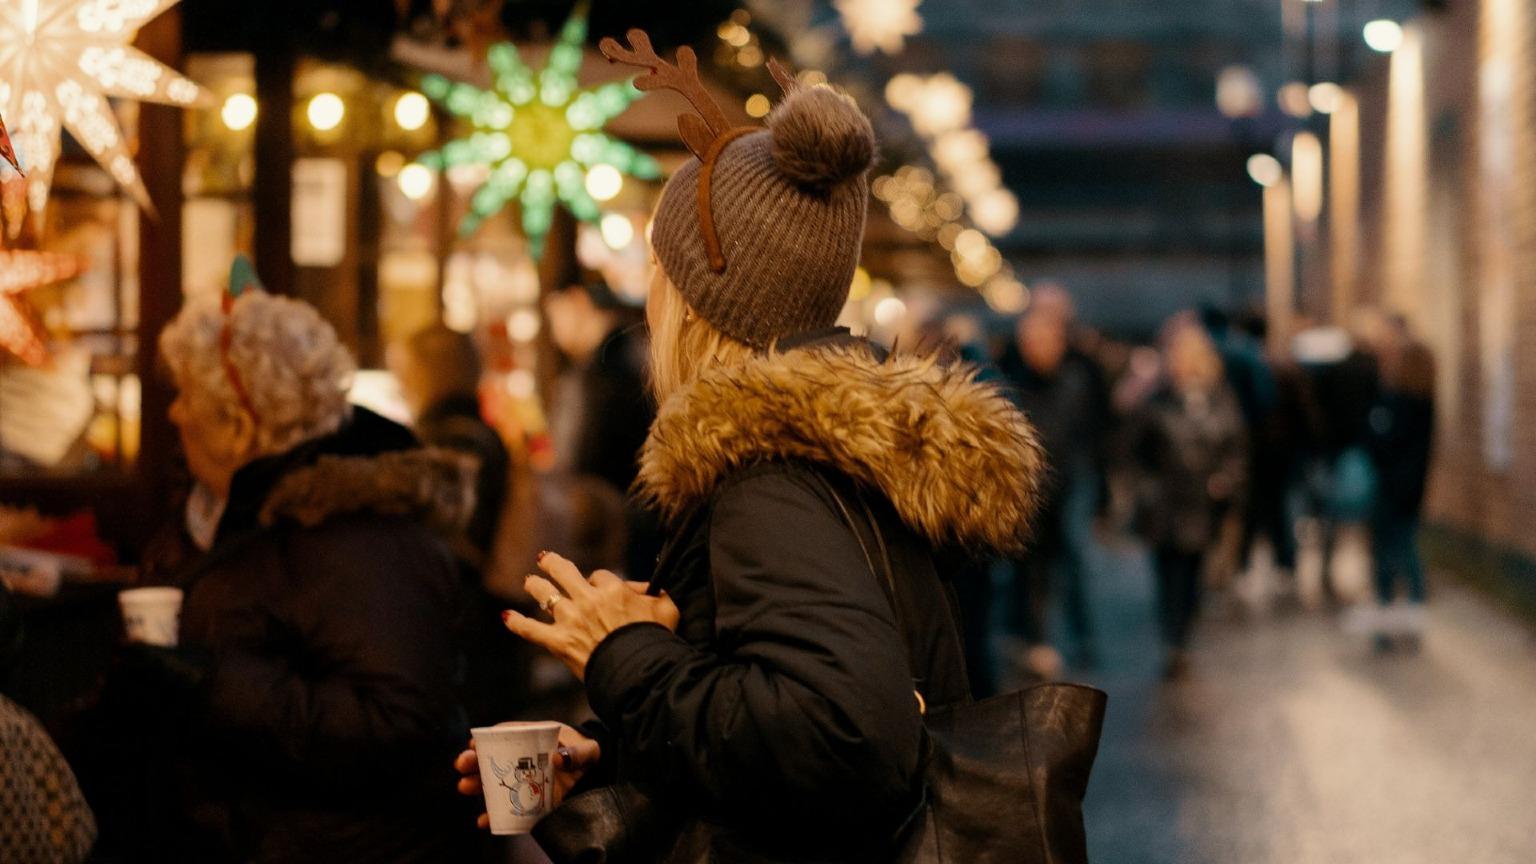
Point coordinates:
pixel 317 652
pixel 763 697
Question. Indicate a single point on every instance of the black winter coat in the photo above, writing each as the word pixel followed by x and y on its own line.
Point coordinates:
pixel 782 712
pixel 326 616
pixel 1181 446
pixel 455 424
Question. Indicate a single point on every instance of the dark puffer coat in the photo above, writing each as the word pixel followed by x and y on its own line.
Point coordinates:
pixel 782 712
pixel 1182 448
pixel 326 612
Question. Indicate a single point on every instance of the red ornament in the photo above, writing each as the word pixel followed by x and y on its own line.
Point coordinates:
pixel 7 152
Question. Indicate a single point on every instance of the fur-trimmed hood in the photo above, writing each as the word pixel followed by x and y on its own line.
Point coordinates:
pixel 956 459
pixel 434 485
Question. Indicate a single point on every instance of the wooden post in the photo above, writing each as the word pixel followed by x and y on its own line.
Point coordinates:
pixel 273 187
pixel 1279 264
pixel 161 156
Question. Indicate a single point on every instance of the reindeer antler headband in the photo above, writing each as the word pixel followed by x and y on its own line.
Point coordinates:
pixel 706 133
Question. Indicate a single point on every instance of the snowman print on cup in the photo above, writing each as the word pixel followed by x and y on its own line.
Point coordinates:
pixel 527 784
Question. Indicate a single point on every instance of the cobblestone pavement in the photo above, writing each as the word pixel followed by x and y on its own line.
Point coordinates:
pixel 1291 741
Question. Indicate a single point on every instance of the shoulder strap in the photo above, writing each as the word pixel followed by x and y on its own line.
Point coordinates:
pixel 888 583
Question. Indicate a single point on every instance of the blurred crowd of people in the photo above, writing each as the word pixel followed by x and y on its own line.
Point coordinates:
pixel 1273 472
pixel 1267 476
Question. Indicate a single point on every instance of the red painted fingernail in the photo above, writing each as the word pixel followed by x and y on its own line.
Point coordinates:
pixel 541 556
pixel 506 616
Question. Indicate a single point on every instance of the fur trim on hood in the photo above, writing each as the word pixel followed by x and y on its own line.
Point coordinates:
pixel 432 484
pixel 957 460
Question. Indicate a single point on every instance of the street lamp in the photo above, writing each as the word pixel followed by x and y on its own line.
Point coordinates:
pixel 1384 35
pixel 1265 169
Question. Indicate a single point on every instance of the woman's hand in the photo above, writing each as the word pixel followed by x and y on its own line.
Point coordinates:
pixel 575 755
pixel 584 611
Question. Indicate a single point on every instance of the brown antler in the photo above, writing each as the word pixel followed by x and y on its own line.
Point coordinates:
pixel 786 78
pixel 697 130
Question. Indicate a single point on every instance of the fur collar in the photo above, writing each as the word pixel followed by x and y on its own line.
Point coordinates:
pixel 954 456
pixel 435 485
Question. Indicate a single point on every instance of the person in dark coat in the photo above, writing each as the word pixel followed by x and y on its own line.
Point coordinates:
pixel 1057 390
pixel 1401 443
pixel 1190 450
pixel 602 408
pixel 309 708
pixel 44 819
pixel 766 690
pixel 439 371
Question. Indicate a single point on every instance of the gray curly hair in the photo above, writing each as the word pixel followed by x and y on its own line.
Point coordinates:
pixel 292 366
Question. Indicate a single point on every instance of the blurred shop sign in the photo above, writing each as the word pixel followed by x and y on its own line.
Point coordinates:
pixel 319 212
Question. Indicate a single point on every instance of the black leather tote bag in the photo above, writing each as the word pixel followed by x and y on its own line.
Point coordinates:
pixel 1005 777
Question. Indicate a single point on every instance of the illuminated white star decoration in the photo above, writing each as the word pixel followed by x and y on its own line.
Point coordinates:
pixel 879 25
pixel 538 133
pixel 22 271
pixel 59 61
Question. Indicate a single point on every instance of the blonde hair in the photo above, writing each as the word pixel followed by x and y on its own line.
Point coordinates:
pixel 683 344
pixel 289 360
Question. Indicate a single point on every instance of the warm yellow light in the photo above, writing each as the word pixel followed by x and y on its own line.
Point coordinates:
pixel 239 112
pixel 1238 93
pixel 618 232
pixel 412 111
pixel 996 212
pixel 1326 97
pixel 604 182
pixel 890 311
pixel 1006 295
pixel 521 384
pixel 750 56
pixel 971 243
pixel 326 111
pixel 955 149
pixel 861 285
pixel 758 105
pixel 735 34
pixel 944 104
pixel 1384 35
pixel 523 325
pixel 1307 175
pixel 903 91
pixel 416 181
pixel 1295 99
pixel 1265 169
pixel 389 163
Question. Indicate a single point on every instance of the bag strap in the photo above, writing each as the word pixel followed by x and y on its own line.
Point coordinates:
pixel 888 584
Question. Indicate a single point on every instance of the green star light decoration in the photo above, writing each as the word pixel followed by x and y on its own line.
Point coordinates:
pixel 539 134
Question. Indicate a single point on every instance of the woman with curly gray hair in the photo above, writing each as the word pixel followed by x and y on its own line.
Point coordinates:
pixel 313 684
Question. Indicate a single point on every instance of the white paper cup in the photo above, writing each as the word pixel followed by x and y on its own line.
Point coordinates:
pixel 517 771
pixel 151 615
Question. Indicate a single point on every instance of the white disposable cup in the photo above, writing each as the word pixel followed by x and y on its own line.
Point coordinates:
pixel 151 615
pixel 517 771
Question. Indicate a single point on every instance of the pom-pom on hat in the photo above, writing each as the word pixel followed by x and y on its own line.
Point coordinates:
pixel 761 232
